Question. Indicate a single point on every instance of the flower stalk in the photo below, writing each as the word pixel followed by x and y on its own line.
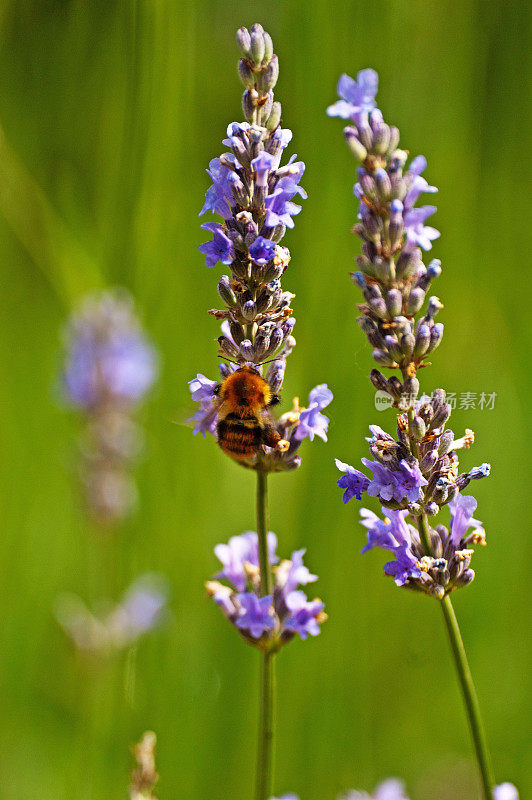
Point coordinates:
pixel 470 698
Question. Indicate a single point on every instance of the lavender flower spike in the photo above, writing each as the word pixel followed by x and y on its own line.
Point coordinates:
pixel 415 472
pixel 109 368
pixel 253 193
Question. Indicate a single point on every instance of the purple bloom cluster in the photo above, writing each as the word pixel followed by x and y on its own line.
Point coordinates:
pixel 255 197
pixel 109 368
pixel 267 622
pixel 108 358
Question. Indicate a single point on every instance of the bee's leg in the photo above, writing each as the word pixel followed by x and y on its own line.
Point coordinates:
pixel 217 388
pixel 275 400
pixel 270 436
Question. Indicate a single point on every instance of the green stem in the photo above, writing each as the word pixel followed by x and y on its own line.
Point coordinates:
pixel 470 698
pixel 262 532
pixel 264 786
pixel 264 789
pixel 459 654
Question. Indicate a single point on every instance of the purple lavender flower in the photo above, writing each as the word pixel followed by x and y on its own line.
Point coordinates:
pixel 286 797
pixel 391 789
pixel 417 233
pixel 386 534
pixel 303 614
pixel 219 197
pixel 202 390
pixel 265 621
pixel 354 482
pixel 108 358
pixel 262 250
pixel 397 484
pixel 405 566
pixel 311 421
pixel 255 614
pixel 395 535
pixel 220 248
pixel 262 166
pixel 356 96
pixel 143 605
pixel 109 368
pixel 239 551
pixel 297 573
pixel 505 791
pixel 462 509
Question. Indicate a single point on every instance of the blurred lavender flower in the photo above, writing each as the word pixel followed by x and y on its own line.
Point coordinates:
pixel 391 789
pixel 254 195
pixel 142 609
pixel 267 622
pixel 108 358
pixel 109 368
pixel 505 791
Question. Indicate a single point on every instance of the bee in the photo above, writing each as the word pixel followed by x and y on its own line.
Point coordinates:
pixel 244 422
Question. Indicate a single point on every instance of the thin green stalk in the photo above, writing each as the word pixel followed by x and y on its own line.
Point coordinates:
pixel 264 788
pixel 470 698
pixel 459 654
pixel 264 785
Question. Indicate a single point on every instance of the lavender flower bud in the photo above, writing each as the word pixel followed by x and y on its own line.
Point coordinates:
pixel 270 75
pixel 378 306
pixel 422 341
pixel 227 347
pixel 408 343
pixel 257 47
pixel 275 375
pixel 441 416
pixel 407 263
pixel 436 335
pixel 246 74
pixel 274 119
pixel 237 332
pixel 247 350
pixel 418 428
pixel 248 106
pixel 411 385
pixel 392 346
pixel 383 358
pixel 268 46
pixel 428 461
pixel 355 145
pixel 394 302
pixel 384 269
pixel 225 290
pixel 384 187
pixel 415 300
pixel 244 40
pixel 249 310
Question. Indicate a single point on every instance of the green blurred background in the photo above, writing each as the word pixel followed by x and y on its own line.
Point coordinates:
pixel 110 112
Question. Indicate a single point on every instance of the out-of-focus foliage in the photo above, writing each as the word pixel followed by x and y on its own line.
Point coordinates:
pixel 109 113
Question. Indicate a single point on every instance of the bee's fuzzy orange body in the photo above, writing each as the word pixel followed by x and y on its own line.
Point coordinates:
pixel 243 423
